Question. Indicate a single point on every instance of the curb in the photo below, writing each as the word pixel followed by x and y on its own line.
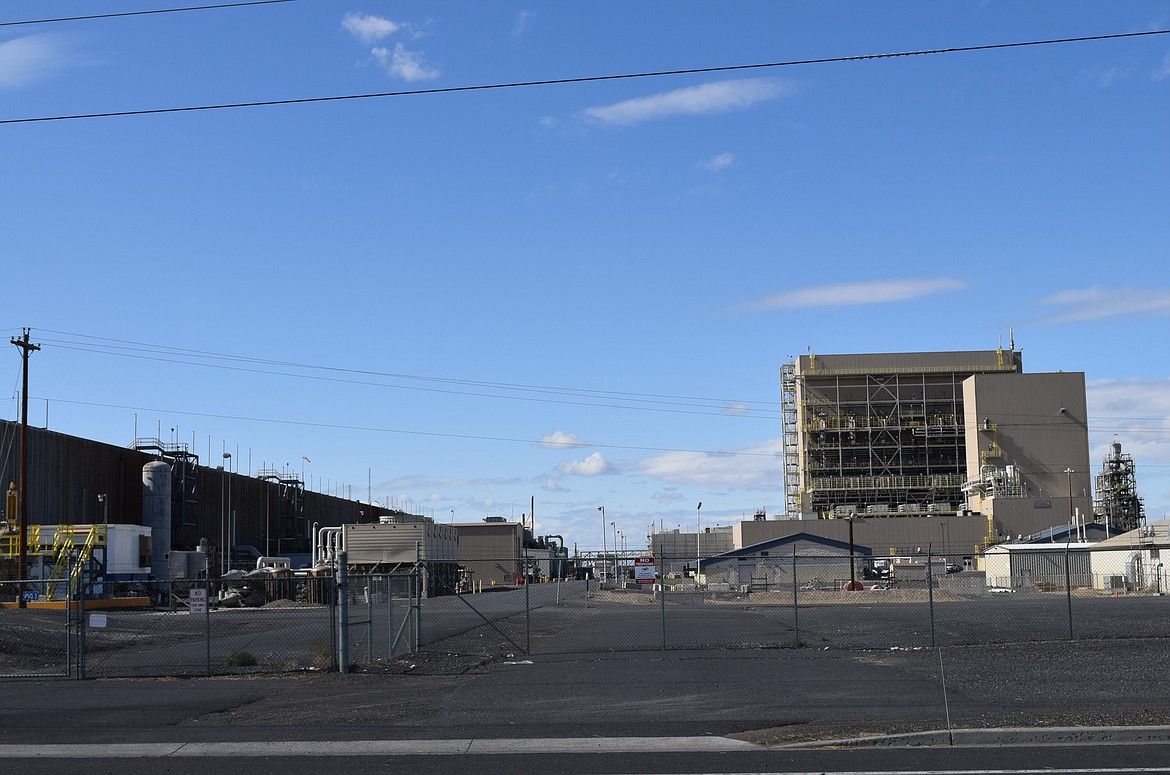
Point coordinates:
pixel 993 736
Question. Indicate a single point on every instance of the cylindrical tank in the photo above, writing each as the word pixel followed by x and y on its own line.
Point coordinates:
pixel 156 514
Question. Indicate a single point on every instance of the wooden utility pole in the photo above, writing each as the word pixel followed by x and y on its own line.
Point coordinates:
pixel 22 552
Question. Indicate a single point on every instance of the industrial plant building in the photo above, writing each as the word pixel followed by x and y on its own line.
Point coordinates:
pixel 935 433
pixel 904 453
pixel 949 452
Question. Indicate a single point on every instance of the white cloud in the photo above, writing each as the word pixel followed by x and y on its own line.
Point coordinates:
pixel 523 23
pixel 25 61
pixel 561 440
pixel 1107 76
pixel 707 98
pixel 552 485
pixel 852 294
pixel 717 163
pixel 369 28
pixel 668 495
pixel 416 482
pixel 737 409
pixel 403 63
pixel 1162 72
pixel 1099 303
pixel 1136 411
pixel 754 467
pixel 594 465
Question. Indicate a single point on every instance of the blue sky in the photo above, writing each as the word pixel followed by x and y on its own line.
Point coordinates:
pixel 577 293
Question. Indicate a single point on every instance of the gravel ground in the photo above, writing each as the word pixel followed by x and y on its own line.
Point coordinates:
pixel 1007 662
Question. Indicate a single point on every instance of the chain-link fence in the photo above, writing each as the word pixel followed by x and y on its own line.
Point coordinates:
pixel 815 601
pixel 183 627
pixel 38 641
pixel 294 622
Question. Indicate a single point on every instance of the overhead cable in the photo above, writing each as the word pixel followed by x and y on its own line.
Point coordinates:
pixel 143 13
pixel 436 434
pixel 565 81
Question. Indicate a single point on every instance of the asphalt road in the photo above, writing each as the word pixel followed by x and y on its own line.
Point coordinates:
pixel 685 711
pixel 599 694
pixel 527 757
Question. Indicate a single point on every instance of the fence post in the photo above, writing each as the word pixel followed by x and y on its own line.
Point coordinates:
pixel 207 620
pixel 419 579
pixel 70 599
pixel 343 611
pixel 795 601
pixel 662 597
pixel 391 636
pixel 331 588
pixel 1068 591
pixel 369 619
pixel 527 608
pixel 81 628
pixel 930 590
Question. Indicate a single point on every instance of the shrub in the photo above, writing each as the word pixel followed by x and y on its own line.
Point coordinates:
pixel 241 659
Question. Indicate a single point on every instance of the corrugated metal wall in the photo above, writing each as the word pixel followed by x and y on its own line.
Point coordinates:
pixel 66 474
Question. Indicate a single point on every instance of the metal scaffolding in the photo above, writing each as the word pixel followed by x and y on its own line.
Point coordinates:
pixel 884 438
pixel 1117 501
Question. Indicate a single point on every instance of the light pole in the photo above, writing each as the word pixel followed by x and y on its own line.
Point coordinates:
pixel 601 572
pixel 614 526
pixel 698 539
pixel 622 547
pixel 1071 518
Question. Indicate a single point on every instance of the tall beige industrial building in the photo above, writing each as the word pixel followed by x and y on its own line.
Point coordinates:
pixel 935 433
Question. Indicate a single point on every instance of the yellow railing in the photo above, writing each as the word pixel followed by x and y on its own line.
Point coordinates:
pixel 70 560
pixel 884 482
pixel 878 371
pixel 37 543
pixel 70 547
pixel 863 422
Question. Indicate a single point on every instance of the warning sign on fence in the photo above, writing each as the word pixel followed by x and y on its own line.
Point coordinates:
pixel 644 570
pixel 197 601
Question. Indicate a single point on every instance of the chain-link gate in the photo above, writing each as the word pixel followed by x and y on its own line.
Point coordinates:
pixel 37 640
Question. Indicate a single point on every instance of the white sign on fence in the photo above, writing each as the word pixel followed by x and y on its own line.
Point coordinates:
pixel 644 570
pixel 197 601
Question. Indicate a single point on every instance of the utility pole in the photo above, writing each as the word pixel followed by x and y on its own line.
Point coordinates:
pixel 22 553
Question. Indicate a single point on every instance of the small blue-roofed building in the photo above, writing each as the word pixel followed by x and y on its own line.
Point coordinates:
pixel 817 562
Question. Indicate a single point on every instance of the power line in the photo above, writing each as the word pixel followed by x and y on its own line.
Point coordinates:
pixel 434 434
pixel 1095 424
pixel 582 79
pixel 642 401
pixel 680 404
pixel 143 13
pixel 420 389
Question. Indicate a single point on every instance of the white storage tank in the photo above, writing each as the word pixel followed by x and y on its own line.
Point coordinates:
pixel 156 515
